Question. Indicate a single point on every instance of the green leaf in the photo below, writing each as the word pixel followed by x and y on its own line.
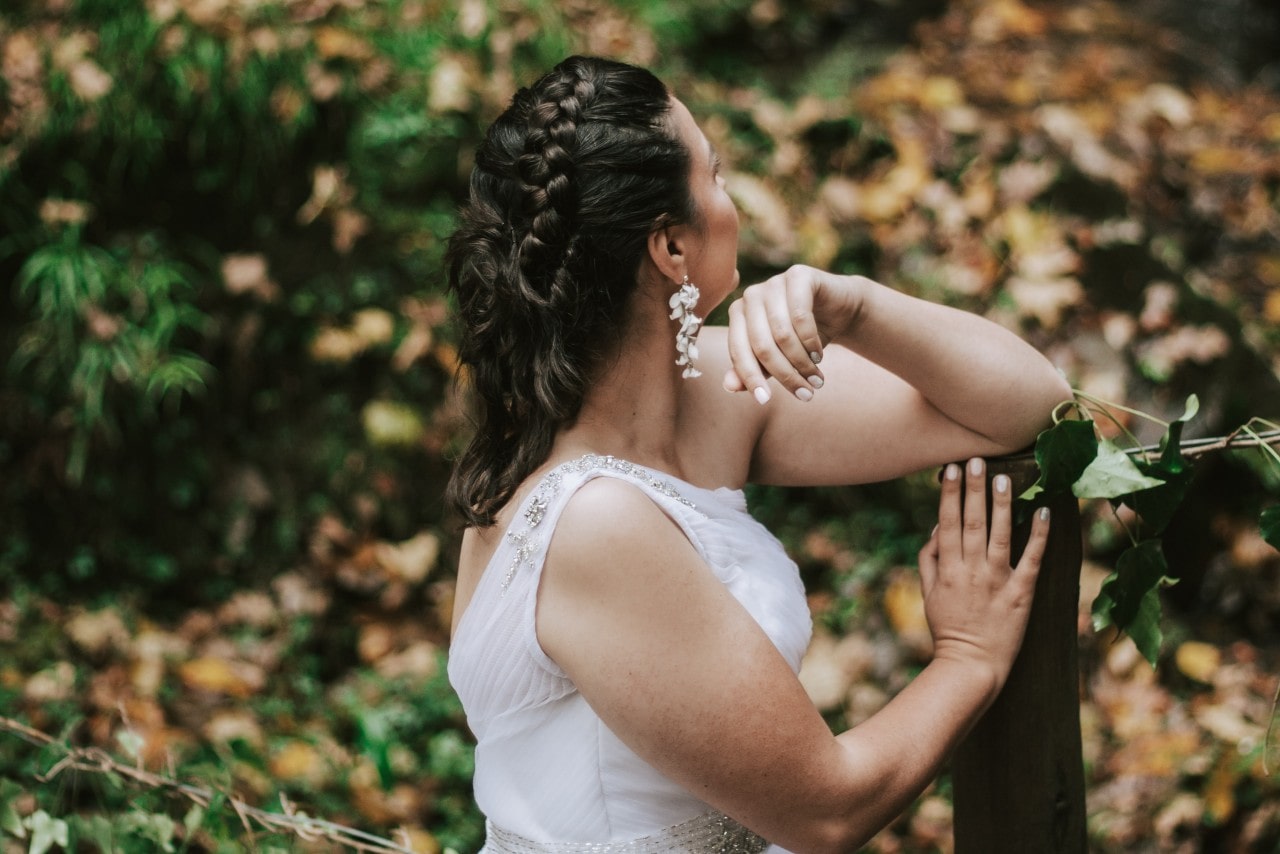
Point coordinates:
pixel 1269 524
pixel 1130 600
pixel 156 828
pixel 1063 452
pixel 10 822
pixel 46 832
pixel 1157 505
pixel 1112 474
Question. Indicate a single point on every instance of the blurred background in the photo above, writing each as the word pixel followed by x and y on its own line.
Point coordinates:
pixel 227 399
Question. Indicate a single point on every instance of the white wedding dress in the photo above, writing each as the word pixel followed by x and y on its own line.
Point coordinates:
pixel 550 776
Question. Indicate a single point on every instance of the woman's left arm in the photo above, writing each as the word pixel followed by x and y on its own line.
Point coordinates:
pixel 902 383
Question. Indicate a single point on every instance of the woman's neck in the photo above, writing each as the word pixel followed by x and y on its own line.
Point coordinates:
pixel 632 410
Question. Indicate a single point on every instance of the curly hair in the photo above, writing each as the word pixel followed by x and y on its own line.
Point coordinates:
pixel 568 184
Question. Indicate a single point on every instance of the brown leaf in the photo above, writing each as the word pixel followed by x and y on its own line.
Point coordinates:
pixel 411 560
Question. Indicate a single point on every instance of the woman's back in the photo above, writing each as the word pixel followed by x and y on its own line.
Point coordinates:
pixel 547 767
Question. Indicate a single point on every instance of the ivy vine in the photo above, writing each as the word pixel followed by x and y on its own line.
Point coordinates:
pixel 1074 458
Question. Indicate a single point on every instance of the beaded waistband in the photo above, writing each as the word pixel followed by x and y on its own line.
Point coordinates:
pixel 712 833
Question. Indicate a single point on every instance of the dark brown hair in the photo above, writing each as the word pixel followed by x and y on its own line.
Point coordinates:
pixel 568 184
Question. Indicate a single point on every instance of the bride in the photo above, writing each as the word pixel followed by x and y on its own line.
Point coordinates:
pixel 626 637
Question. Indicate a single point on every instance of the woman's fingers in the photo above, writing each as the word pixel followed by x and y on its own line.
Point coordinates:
pixel 999 539
pixel 928 562
pixel 747 373
pixel 949 512
pixel 1033 555
pixel 773 333
pixel 974 538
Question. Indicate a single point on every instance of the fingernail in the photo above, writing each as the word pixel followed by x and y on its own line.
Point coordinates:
pixel 953 471
pixel 815 381
pixel 804 394
pixel 815 356
pixel 1044 514
pixel 1001 483
pixel 762 395
pixel 975 466
pixel 934 532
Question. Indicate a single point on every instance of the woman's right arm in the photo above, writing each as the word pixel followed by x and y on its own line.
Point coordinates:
pixel 685 677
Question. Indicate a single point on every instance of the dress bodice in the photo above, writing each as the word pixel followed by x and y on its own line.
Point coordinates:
pixel 548 770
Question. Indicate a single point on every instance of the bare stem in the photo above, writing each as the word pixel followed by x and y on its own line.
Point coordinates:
pixel 98 761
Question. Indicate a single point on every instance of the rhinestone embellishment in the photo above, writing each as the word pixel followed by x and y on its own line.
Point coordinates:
pixel 712 833
pixel 526 544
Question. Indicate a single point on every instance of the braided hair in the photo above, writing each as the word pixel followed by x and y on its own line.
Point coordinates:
pixel 568 184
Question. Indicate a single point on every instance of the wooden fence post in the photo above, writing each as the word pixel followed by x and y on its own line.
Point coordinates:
pixel 1018 779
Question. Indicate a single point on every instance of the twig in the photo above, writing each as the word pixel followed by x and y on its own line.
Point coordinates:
pixel 96 760
pixel 1193 447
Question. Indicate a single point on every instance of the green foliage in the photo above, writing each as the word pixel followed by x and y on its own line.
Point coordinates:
pixel 1073 459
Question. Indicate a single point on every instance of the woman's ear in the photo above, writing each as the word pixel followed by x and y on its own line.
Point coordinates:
pixel 666 251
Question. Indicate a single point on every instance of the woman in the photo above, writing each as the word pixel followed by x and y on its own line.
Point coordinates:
pixel 626 637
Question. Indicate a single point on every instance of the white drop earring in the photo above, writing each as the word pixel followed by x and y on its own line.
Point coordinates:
pixel 682 303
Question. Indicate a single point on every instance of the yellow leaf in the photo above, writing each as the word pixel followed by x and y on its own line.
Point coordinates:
pixel 418 840
pixel 1219 792
pixel 940 92
pixel 819 243
pixel 220 676
pixel 904 605
pixel 298 761
pixel 1220 160
pixel 1271 127
pixel 390 423
pixel 337 43
pixel 1198 660
pixel 373 326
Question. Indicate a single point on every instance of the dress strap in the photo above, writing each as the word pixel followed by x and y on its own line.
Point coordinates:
pixel 526 542
pixel 712 833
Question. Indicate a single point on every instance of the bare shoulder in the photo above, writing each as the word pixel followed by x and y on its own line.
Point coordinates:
pixel 617 566
pixel 606 520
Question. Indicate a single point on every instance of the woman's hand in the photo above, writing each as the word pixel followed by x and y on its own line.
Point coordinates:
pixel 779 328
pixel 976 605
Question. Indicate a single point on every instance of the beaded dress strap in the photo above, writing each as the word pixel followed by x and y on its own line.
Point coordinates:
pixel 527 542
pixel 712 833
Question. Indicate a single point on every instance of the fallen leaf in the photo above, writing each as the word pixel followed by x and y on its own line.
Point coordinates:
pixel 221 676
pixel 904 606
pixel 1198 660
pixel 411 560
pixel 247 274
pixel 299 762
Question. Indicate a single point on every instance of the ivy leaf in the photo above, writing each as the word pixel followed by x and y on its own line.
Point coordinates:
pixel 1063 452
pixel 1112 474
pixel 1157 505
pixel 1269 524
pixel 1130 599
pixel 10 822
pixel 46 832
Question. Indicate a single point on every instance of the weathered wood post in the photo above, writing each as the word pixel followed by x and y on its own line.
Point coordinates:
pixel 1018 779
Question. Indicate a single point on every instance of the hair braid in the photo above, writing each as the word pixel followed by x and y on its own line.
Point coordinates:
pixel 568 183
